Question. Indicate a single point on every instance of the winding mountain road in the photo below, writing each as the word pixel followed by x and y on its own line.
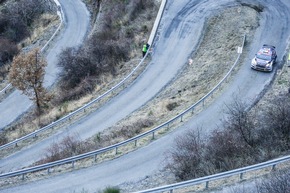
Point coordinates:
pixel 180 31
pixel 75 28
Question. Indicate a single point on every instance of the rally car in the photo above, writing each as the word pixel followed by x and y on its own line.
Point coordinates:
pixel 265 58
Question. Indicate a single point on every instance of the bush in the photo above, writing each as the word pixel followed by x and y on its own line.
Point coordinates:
pixel 133 129
pixel 17 16
pixel 241 142
pixel 278 182
pixel 110 45
pixel 187 156
pixel 138 6
pixel 277 122
pixel 242 122
pixel 225 151
pixel 69 146
pixel 3 138
pixel 111 190
pixel 76 66
pixel 8 50
pixel 86 63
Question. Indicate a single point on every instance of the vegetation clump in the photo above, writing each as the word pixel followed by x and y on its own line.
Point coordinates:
pixel 112 42
pixel 17 18
pixel 245 140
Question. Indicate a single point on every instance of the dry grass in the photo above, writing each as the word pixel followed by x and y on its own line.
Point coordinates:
pixel 181 93
pixel 106 81
pixel 41 26
pixel 188 90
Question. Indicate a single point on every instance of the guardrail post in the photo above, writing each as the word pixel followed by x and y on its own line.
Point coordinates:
pixel 241 176
pixel 116 150
pixel 203 103
pixel 73 164
pixel 16 145
pixel 153 135
pixel 206 184
pixel 192 111
pixel 273 167
pixel 181 118
pixel 135 143
pixel 96 157
pixel 22 177
pixel 48 170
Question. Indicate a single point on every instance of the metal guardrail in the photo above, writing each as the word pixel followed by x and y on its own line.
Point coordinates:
pixel 207 179
pixel 5 88
pixel 115 147
pixel 83 108
pixel 60 14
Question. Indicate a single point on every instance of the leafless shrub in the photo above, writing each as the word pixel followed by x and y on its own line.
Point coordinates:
pixel 244 141
pixel 193 156
pixel 137 6
pixel 82 65
pixel 277 122
pixel 8 50
pixel 3 138
pixel 69 146
pixel 75 66
pixel 171 106
pixel 226 151
pixel 133 129
pixel 278 182
pixel 241 121
pixel 72 145
pixel 53 153
pixel 17 16
pixel 110 45
pixel 186 160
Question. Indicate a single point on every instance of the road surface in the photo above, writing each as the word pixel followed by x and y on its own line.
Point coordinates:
pixel 181 27
pixel 76 26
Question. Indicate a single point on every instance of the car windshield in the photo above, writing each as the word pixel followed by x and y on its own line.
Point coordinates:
pixel 264 57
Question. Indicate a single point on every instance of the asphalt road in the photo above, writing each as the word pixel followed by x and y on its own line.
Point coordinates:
pixel 74 31
pixel 158 74
pixel 181 29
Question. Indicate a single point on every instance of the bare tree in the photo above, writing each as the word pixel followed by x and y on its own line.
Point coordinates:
pixel 227 151
pixel 277 120
pixel 186 158
pixel 239 119
pixel 27 74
